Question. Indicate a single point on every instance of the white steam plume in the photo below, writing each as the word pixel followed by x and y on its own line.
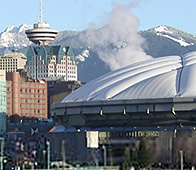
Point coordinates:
pixel 118 42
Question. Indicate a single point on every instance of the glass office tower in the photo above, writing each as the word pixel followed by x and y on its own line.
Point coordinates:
pixel 2 101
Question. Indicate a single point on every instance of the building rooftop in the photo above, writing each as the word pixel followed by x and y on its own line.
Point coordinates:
pixel 14 54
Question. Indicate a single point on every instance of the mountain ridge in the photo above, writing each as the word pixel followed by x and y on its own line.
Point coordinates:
pixel 159 41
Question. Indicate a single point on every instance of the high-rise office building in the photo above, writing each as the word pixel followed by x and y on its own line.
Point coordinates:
pixel 2 101
pixel 26 98
pixel 45 61
pixel 51 61
pixel 12 61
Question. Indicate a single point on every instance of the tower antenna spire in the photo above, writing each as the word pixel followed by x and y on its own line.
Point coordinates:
pixel 41 11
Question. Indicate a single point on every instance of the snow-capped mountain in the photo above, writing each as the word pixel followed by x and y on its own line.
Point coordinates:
pixel 15 29
pixel 184 39
pixel 159 41
pixel 165 40
pixel 11 29
pixel 14 37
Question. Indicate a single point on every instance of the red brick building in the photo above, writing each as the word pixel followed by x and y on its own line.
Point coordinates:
pixel 26 98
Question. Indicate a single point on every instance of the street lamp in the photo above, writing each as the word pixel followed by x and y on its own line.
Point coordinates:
pixel 63 154
pixel 1 153
pixel 181 160
pixel 48 154
pixel 104 155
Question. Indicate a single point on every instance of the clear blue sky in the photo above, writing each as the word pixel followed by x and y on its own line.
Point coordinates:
pixel 77 14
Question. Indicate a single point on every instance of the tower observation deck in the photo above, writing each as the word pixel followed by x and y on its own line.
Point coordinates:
pixel 41 34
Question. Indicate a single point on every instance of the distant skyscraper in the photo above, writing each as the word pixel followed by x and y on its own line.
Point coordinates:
pixel 12 61
pixel 45 61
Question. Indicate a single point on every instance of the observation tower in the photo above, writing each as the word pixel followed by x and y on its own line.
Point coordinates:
pixel 41 34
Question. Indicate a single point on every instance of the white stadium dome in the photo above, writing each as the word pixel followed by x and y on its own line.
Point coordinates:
pixel 164 77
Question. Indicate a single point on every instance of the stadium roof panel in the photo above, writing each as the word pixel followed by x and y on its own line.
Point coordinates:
pixel 164 77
